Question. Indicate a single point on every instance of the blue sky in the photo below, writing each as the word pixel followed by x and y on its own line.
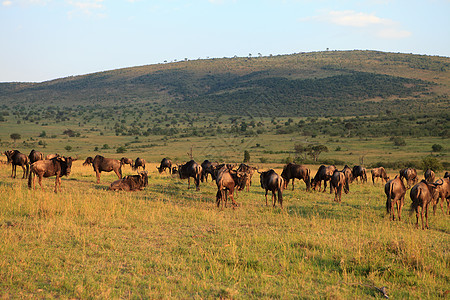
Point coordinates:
pixel 49 39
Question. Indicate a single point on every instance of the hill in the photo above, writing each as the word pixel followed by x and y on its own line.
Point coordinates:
pixel 336 83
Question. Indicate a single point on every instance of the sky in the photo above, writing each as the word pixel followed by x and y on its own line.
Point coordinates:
pixel 48 39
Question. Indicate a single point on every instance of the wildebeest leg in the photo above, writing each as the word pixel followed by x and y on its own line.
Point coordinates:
pixel 197 183
pixel 13 171
pixel 97 174
pixel 118 173
pixel 293 179
pixel 266 198
pixel 421 217
pixel 40 181
pixel 189 183
pixel 426 215
pixel 25 174
pixel 56 184
pixel 274 198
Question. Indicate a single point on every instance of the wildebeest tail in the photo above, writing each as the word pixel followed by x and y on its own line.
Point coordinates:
pixel 415 202
pixel 389 198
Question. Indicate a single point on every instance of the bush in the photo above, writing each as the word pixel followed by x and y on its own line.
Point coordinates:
pixel 437 148
pixel 398 141
pixel 121 149
pixel 431 162
pixel 68 148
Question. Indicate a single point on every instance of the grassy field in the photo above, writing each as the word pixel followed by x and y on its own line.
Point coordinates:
pixel 167 241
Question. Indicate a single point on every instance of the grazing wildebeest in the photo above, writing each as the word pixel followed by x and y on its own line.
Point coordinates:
pixel 88 162
pixel 379 172
pixel 57 166
pixel 271 181
pixel 102 164
pixel 443 189
pixel 359 172
pixel 292 171
pixel 17 159
pixel 227 180
pixel 50 156
pixel 323 173
pixel 422 194
pixel 131 182
pixel 410 174
pixel 395 191
pixel 429 175
pixel 249 171
pixel 338 181
pixel 191 169
pixel 126 161
pixel 35 156
pixel 165 164
pixel 208 168
pixel 139 162
pixel 348 173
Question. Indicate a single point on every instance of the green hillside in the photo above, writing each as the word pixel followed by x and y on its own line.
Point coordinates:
pixel 338 83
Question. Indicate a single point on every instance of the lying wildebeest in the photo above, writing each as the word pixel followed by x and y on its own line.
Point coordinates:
pixel 292 171
pixel 131 182
pixel 17 159
pixel 429 175
pixel 338 181
pixel 165 164
pixel 139 162
pixel 379 172
pixel 57 166
pixel 208 168
pixel 88 162
pixel 126 161
pixel 359 172
pixel 395 191
pixel 443 189
pixel 50 156
pixel 323 174
pixel 410 174
pixel 422 194
pixel 227 180
pixel 35 156
pixel 191 169
pixel 102 164
pixel 271 181
pixel 348 173
pixel 249 171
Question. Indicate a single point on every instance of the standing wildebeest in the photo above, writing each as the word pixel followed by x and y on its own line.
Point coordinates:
pixel 126 161
pixel 208 168
pixel 379 172
pixel 292 171
pixel 227 180
pixel 422 194
pixel 88 161
pixel 191 169
pixel 339 181
pixel 359 171
pixel 35 156
pixel 165 164
pixel 348 173
pixel 410 174
pixel 50 156
pixel 395 191
pixel 17 159
pixel 429 175
pixel 323 173
pixel 271 181
pixel 131 182
pixel 249 171
pixel 443 189
pixel 139 162
pixel 102 164
pixel 57 166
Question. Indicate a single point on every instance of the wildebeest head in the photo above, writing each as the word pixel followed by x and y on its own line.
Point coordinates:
pixel 66 164
pixel 88 161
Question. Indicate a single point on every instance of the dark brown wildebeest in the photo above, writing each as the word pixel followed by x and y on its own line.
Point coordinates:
pixel 429 175
pixel 249 171
pixel 17 159
pixel 292 171
pixel 208 168
pixel 338 181
pixel 88 162
pixel 126 161
pixel 8 154
pixel 50 156
pixel 175 170
pixel 102 164
pixel 395 191
pixel 35 156
pixel 131 182
pixel 422 194
pixel 323 174
pixel 443 189
pixel 359 172
pixel 191 169
pixel 379 172
pixel 57 166
pixel 165 164
pixel 271 181
pixel 139 162
pixel 348 173
pixel 410 174
pixel 227 180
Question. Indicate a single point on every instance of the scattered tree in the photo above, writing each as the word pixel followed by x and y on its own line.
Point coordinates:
pixel 437 148
pixel 246 156
pixel 15 136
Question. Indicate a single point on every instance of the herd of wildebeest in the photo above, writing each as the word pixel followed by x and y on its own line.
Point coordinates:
pixel 231 177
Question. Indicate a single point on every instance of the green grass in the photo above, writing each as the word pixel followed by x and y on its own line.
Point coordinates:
pixel 167 241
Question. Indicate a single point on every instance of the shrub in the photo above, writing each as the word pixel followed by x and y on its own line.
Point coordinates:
pixel 437 148
pixel 431 162
pixel 68 148
pixel 121 149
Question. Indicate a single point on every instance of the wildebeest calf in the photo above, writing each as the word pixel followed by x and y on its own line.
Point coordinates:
pixel 130 182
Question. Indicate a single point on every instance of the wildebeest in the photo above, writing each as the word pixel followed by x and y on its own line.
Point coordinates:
pixel 139 162
pixel 126 161
pixel 447 175
pixel 338 181
pixel 410 174
pixel 271 181
pixel 249 171
pixel 191 169
pixel 443 189
pixel 208 168
pixel 102 164
pixel 379 172
pixel 429 175
pixel 57 166
pixel 50 156
pixel 88 161
pixel 227 180
pixel 35 156
pixel 359 172
pixel 131 182
pixel 165 164
pixel 395 191
pixel 17 159
pixel 323 174
pixel 422 194
pixel 292 171
pixel 348 173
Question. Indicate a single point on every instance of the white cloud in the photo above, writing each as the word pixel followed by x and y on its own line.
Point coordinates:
pixel 392 33
pixel 7 3
pixel 88 7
